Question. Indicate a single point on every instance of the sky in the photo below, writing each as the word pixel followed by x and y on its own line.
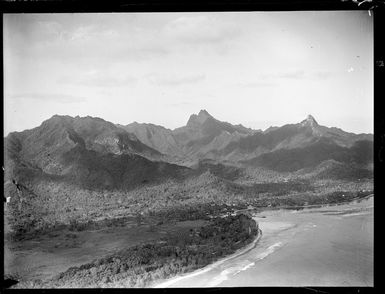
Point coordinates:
pixel 258 69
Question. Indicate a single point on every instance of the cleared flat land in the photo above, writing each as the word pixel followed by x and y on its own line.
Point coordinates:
pixel 325 246
pixel 48 255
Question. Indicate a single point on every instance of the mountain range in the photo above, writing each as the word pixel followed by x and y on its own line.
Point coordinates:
pixel 205 137
pixel 95 153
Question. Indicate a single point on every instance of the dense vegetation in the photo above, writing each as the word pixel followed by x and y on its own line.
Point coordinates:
pixel 49 205
pixel 141 265
pixel 289 160
pixel 87 172
pixel 76 174
pixel 220 170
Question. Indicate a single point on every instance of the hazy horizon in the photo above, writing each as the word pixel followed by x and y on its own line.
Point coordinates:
pixel 142 122
pixel 258 69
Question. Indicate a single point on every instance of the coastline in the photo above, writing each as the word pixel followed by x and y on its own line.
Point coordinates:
pixel 241 251
pixel 173 280
pixel 293 207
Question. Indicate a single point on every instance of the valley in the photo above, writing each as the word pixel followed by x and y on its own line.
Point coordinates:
pixel 153 147
pixel 76 183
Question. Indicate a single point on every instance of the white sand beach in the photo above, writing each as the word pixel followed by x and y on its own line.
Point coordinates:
pixel 326 246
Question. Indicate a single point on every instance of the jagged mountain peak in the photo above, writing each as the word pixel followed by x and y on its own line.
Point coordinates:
pixel 63 132
pixel 58 117
pixel 202 116
pixel 203 112
pixel 309 121
pixel 56 122
pixel 68 118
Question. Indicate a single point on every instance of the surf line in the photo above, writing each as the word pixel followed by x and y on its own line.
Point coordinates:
pixel 223 276
pixel 209 267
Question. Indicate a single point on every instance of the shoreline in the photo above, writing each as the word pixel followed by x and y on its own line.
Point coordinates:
pixel 239 252
pixel 294 207
pixel 172 280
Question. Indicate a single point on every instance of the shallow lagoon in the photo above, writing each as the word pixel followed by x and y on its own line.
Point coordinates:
pixel 325 246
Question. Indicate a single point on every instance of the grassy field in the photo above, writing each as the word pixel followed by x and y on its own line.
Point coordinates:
pixel 55 226
pixel 49 254
pixel 181 248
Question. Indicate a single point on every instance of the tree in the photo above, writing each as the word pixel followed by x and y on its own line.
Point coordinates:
pixel 138 218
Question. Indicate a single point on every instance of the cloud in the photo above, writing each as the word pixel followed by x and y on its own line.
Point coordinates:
pixel 83 32
pixel 321 75
pixel 84 43
pixel 174 80
pixel 49 97
pixel 98 79
pixel 92 52
pixel 270 79
pixel 54 31
pixel 181 104
pixel 299 74
pixel 50 30
pixel 296 74
pixel 351 69
pixel 200 29
pixel 253 84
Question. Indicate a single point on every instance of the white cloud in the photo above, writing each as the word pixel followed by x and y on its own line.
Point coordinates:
pixel 268 61
pixel 50 28
pixel 181 104
pixel 173 80
pixel 200 29
pixel 95 78
pixel 84 32
pixel 53 97
pixel 256 84
pixel 296 74
pixel 55 31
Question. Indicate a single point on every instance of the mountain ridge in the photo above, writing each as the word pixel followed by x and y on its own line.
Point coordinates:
pixel 203 137
pixel 82 168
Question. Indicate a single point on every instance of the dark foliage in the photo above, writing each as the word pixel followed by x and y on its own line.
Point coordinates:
pixel 288 160
pixel 140 265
